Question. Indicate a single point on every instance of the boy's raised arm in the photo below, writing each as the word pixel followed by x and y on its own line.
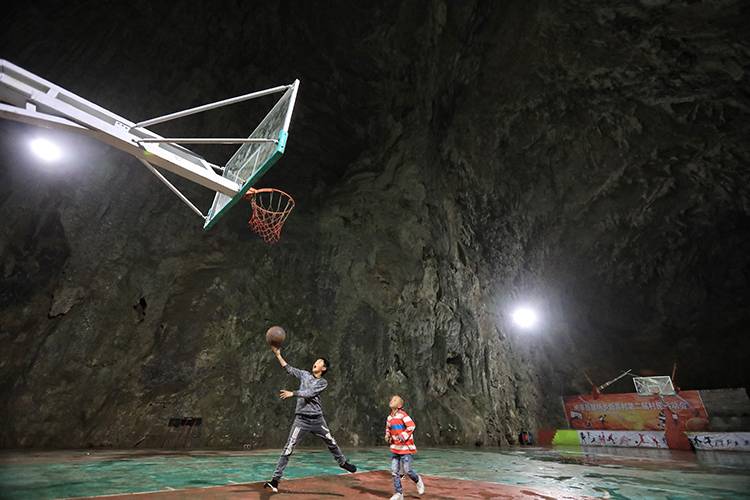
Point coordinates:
pixel 289 368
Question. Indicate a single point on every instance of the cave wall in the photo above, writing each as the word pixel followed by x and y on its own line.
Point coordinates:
pixel 449 160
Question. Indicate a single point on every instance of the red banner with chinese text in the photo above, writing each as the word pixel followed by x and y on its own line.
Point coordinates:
pixel 629 411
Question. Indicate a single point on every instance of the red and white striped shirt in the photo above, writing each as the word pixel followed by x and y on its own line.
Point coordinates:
pixel 401 427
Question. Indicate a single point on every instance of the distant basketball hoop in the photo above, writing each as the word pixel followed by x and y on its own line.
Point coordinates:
pixel 654 386
pixel 270 209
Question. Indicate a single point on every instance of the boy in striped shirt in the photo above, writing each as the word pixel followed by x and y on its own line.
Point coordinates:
pixel 399 433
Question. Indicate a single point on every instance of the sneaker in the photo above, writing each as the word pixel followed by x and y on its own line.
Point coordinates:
pixel 349 467
pixel 420 486
pixel 397 496
pixel 273 485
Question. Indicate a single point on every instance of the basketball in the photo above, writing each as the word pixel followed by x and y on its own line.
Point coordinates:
pixel 275 336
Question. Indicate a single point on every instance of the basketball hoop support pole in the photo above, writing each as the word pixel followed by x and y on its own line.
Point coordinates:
pixel 28 98
pixel 207 140
pixel 210 106
pixel 23 93
pixel 173 189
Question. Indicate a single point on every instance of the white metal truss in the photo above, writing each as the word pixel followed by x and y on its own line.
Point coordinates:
pixel 28 98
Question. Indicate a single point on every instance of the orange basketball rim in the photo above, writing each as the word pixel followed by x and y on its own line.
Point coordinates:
pixel 270 209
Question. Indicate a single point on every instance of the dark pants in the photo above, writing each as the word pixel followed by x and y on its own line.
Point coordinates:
pixel 303 424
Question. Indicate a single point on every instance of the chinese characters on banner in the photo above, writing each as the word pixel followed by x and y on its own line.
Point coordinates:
pixel 624 439
pixel 739 441
pixel 630 411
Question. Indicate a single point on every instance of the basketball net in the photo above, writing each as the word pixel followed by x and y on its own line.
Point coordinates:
pixel 270 208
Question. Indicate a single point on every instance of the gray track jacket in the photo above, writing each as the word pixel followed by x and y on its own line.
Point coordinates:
pixel 308 394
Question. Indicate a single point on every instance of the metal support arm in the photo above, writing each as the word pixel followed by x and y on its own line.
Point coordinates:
pixel 61 109
pixel 206 140
pixel 213 105
pixel 173 189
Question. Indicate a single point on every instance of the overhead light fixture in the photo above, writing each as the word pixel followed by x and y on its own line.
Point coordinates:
pixel 46 150
pixel 525 317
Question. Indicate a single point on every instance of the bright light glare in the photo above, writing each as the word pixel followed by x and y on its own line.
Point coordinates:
pixel 525 317
pixel 46 150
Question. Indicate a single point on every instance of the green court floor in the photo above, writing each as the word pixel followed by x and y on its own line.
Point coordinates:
pixel 619 473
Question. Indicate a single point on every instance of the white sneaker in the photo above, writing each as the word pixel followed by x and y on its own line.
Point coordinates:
pixel 420 486
pixel 272 485
pixel 397 496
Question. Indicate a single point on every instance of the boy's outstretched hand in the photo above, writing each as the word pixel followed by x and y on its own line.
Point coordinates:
pixel 284 394
pixel 277 352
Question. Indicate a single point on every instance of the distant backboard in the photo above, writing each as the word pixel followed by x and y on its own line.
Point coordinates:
pixel 654 386
pixel 253 159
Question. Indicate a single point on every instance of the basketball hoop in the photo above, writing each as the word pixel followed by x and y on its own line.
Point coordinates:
pixel 270 208
pixel 654 386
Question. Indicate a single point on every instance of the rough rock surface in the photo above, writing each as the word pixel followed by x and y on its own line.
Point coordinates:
pixel 449 161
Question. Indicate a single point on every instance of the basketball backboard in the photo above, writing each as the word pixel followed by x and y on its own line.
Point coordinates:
pixel 253 159
pixel 654 386
pixel 28 98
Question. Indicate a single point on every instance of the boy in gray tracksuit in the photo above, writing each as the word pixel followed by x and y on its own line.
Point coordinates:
pixel 308 416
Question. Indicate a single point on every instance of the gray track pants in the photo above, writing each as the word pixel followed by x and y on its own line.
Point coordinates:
pixel 302 425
